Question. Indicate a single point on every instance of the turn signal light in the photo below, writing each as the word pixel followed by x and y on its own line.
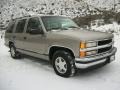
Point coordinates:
pixel 82 45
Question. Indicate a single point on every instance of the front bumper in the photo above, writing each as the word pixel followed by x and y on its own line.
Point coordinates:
pixel 83 63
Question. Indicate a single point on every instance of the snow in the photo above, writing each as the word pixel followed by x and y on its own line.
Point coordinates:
pixel 18 8
pixel 107 28
pixel 30 73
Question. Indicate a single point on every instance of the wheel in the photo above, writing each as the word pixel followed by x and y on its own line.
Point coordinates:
pixel 13 52
pixel 63 64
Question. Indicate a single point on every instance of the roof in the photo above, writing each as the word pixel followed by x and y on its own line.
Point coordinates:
pixel 37 16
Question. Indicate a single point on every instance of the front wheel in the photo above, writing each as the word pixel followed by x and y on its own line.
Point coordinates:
pixel 63 64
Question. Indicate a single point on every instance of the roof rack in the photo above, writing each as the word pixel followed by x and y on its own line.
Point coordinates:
pixel 21 17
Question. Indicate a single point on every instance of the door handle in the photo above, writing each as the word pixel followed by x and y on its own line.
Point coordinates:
pixel 25 37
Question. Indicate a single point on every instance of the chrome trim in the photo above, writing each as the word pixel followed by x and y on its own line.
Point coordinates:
pixel 100 53
pixel 98 47
pixel 97 57
pixel 83 66
pixel 102 59
pixel 100 40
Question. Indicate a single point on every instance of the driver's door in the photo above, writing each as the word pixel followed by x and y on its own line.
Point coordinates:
pixel 34 42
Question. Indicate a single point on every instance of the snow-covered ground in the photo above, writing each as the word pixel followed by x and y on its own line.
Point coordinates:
pixel 34 74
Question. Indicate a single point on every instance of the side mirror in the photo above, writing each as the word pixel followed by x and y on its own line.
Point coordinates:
pixel 36 31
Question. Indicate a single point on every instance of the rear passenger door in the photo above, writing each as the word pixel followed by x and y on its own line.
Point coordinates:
pixel 19 33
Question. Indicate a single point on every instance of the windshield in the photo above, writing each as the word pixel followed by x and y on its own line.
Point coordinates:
pixel 58 23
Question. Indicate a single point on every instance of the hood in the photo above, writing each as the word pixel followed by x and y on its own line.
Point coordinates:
pixel 84 35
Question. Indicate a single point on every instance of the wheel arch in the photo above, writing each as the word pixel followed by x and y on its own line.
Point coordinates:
pixel 55 48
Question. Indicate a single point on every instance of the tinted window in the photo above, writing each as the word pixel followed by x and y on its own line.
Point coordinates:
pixel 10 27
pixel 20 26
pixel 58 23
pixel 34 24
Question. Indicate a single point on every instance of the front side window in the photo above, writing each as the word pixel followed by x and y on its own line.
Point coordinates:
pixel 20 26
pixel 58 23
pixel 34 24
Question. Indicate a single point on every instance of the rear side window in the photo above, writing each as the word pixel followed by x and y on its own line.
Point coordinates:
pixel 10 27
pixel 20 26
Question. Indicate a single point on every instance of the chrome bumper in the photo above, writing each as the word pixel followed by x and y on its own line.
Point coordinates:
pixel 83 63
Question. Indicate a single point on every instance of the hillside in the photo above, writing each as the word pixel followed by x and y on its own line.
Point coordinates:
pixel 17 8
pixel 73 8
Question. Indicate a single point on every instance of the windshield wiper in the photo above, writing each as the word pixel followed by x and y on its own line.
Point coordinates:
pixel 73 27
pixel 61 29
pixel 55 29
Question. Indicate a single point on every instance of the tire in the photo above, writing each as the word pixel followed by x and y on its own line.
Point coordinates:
pixel 63 64
pixel 14 54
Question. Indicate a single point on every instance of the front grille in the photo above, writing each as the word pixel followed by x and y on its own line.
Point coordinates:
pixel 104 49
pixel 103 42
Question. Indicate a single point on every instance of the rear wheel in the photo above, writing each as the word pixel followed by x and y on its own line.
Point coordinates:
pixel 63 64
pixel 14 54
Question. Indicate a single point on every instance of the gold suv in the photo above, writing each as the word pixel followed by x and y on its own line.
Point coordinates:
pixel 61 41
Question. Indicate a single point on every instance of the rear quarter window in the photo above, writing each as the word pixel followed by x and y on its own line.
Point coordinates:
pixel 20 26
pixel 10 27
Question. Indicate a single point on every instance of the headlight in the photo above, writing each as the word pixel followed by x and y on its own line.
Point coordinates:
pixel 87 53
pixel 91 44
pixel 84 45
pixel 87 45
pixel 91 52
